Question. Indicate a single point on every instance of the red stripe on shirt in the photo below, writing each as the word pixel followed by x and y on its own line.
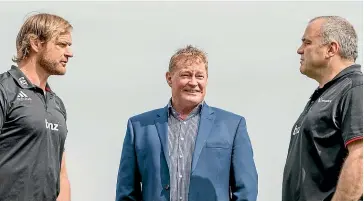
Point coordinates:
pixel 353 140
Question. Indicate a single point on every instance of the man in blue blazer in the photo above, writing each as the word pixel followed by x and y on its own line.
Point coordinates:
pixel 187 151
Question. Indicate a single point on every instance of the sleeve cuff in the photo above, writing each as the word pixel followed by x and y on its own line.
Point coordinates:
pixel 353 140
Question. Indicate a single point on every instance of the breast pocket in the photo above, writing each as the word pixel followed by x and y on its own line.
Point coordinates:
pixel 217 155
pixel 220 138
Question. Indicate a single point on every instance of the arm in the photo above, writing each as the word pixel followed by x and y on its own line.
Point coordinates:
pixel 128 182
pixel 243 174
pixel 65 193
pixel 350 184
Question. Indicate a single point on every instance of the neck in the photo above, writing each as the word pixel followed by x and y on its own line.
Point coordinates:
pixel 327 74
pixel 183 110
pixel 34 73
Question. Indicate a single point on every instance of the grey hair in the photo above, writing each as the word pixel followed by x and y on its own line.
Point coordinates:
pixel 336 28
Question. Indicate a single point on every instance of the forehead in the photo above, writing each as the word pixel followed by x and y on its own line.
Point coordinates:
pixel 191 64
pixel 188 60
pixel 313 29
pixel 62 37
pixel 65 36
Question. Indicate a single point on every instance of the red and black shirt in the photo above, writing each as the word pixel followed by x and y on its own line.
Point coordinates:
pixel 33 131
pixel 332 118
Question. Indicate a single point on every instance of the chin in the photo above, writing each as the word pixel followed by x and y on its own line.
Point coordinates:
pixel 58 72
pixel 193 100
pixel 302 69
pixel 55 69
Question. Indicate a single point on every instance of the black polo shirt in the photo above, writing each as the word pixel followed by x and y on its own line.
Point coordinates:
pixel 33 133
pixel 332 118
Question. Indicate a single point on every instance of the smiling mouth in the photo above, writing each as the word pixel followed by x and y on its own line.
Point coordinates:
pixel 192 91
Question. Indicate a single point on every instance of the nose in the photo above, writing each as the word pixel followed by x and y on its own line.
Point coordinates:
pixel 193 81
pixel 69 53
pixel 300 50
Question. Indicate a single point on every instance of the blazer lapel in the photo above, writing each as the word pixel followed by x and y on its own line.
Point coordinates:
pixel 161 122
pixel 206 122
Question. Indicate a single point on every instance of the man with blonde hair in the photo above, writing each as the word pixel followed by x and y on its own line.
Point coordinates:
pixel 325 156
pixel 188 150
pixel 32 117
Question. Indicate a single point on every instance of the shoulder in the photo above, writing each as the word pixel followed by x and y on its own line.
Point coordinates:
pixel 6 81
pixel 59 101
pixel 355 79
pixel 60 104
pixel 230 120
pixel 226 115
pixel 348 84
pixel 350 87
pixel 352 80
pixel 8 86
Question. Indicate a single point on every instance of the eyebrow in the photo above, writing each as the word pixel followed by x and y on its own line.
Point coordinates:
pixel 305 40
pixel 184 71
pixel 67 42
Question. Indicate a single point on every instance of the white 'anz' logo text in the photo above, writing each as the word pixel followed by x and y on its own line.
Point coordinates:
pixel 51 126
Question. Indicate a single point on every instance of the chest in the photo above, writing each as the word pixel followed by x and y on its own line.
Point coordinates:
pixel 182 131
pixel 31 111
pixel 321 116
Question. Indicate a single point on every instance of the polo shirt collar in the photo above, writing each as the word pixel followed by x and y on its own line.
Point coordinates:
pixel 346 71
pixel 22 80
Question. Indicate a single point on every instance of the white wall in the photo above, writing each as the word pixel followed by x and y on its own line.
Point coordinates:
pixel 122 50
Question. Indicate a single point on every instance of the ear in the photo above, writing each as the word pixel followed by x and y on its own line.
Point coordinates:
pixel 169 78
pixel 35 44
pixel 333 49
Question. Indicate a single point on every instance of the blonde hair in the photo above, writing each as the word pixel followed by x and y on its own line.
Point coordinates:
pixel 42 26
pixel 190 54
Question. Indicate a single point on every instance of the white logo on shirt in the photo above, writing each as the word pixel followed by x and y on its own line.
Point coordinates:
pixel 22 96
pixel 23 81
pixel 51 126
pixel 296 130
pixel 320 100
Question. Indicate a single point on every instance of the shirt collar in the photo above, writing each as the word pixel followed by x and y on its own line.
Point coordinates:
pixel 195 111
pixel 350 69
pixel 346 71
pixel 22 80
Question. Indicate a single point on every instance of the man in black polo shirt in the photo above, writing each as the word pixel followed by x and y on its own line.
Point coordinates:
pixel 324 161
pixel 32 116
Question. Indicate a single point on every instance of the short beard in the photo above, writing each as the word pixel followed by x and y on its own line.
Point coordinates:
pixel 49 66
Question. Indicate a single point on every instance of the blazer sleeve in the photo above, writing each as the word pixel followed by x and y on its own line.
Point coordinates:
pixel 243 173
pixel 128 186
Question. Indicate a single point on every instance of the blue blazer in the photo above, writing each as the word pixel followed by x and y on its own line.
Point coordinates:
pixel 223 167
